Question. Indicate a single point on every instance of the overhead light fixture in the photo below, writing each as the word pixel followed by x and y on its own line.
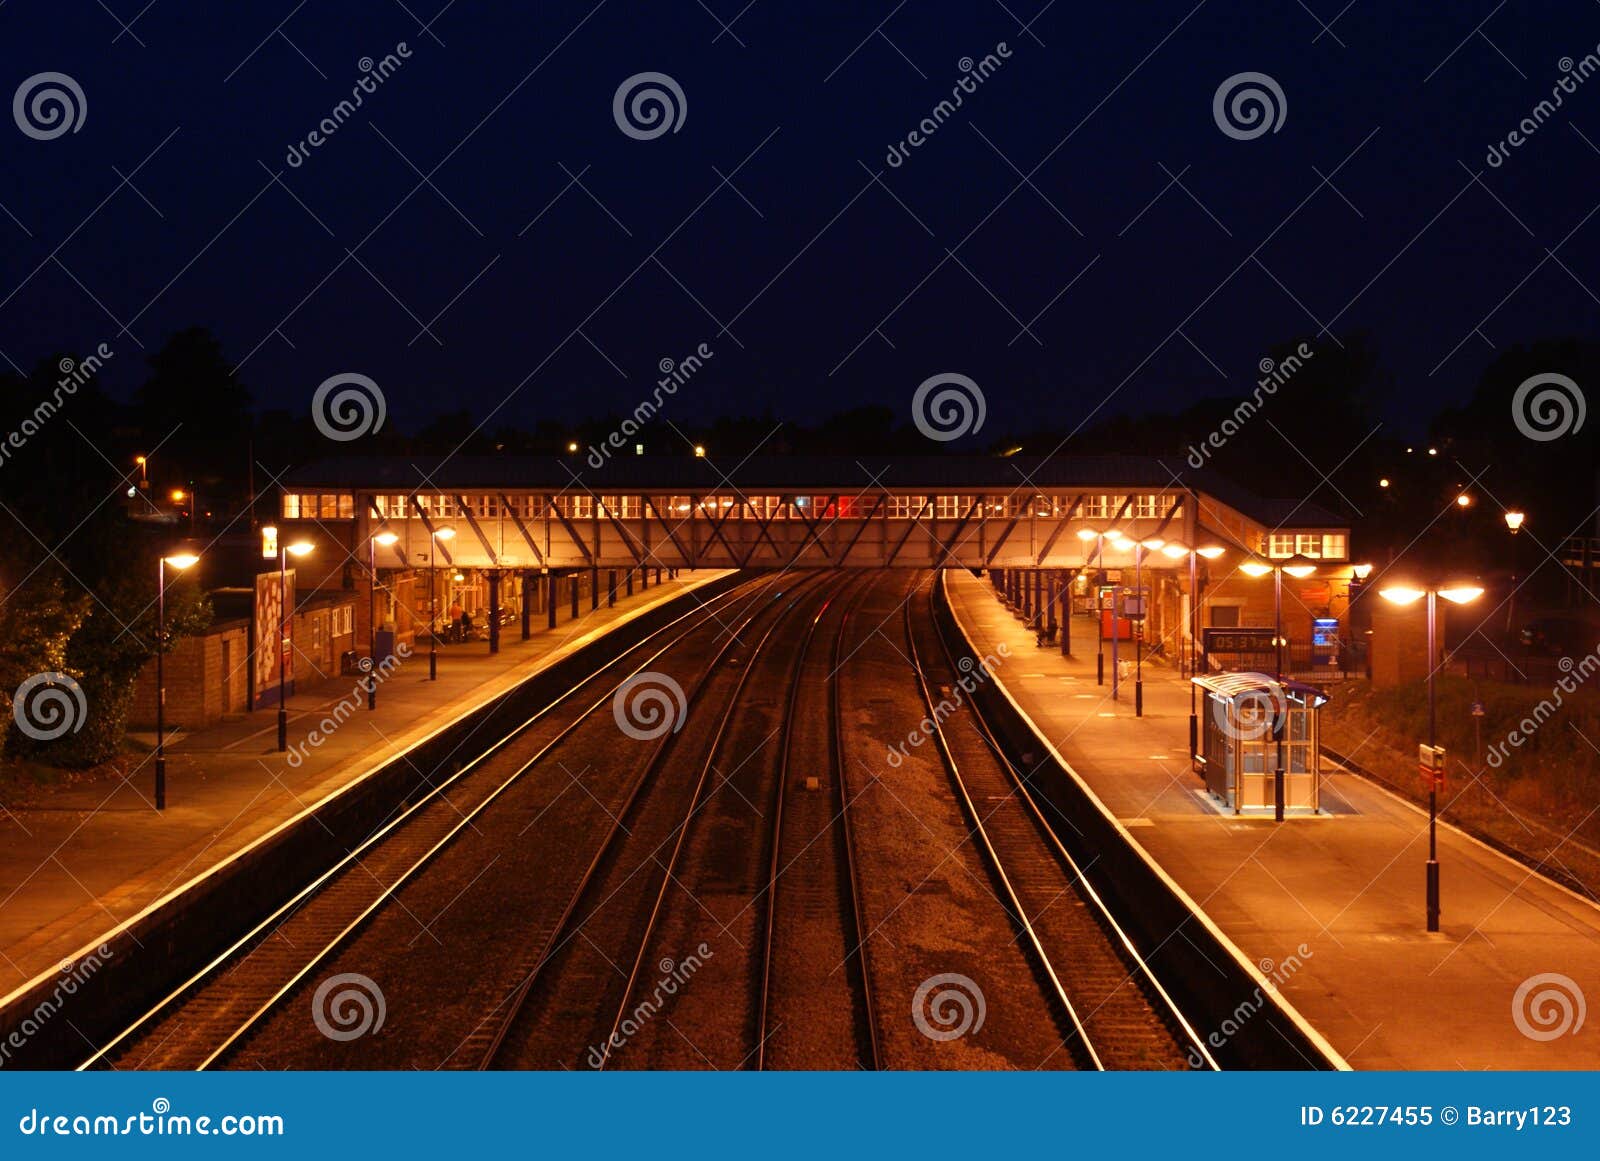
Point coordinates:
pixel 1174 550
pixel 1361 571
pixel 1401 595
pixel 182 560
pixel 1461 594
pixel 1087 534
pixel 386 538
pixel 1255 568
pixel 1514 520
pixel 1211 551
pixel 299 548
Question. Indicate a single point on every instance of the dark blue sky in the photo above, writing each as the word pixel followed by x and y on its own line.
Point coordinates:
pixel 831 285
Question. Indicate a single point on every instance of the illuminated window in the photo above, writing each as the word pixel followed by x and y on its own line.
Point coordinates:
pixel 1334 546
pixel 1149 507
pixel 903 507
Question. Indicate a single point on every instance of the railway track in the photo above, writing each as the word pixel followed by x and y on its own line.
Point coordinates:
pixel 573 1001
pixel 731 844
pixel 202 1022
pixel 810 1014
pixel 1113 1011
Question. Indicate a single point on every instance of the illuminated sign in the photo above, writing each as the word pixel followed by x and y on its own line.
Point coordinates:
pixel 1237 640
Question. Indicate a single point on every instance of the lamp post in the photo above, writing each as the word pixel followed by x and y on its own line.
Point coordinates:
pixel 270 547
pixel 179 561
pixel 1148 544
pixel 1176 551
pixel 1298 567
pixel 1086 535
pixel 1456 594
pixel 439 534
pixel 386 539
pixel 1122 544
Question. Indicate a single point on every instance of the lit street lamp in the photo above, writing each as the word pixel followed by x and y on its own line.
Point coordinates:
pixel 1176 551
pixel 1121 543
pixel 386 539
pixel 1149 544
pixel 1086 535
pixel 1514 521
pixel 439 534
pixel 269 548
pixel 1456 595
pixel 1298 567
pixel 179 561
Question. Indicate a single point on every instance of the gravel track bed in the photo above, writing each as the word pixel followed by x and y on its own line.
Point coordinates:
pixel 930 908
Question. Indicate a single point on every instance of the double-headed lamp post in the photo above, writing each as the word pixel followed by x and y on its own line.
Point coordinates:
pixel 439 535
pixel 1121 543
pixel 1099 538
pixel 1148 544
pixel 269 548
pixel 178 561
pixel 1298 567
pixel 387 539
pixel 1456 594
pixel 1176 551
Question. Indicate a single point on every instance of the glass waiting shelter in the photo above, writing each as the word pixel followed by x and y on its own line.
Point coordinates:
pixel 1244 719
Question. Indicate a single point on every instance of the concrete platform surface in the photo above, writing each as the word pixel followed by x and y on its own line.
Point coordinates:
pixel 1516 955
pixel 94 856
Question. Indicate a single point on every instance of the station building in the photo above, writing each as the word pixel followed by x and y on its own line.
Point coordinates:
pixel 510 539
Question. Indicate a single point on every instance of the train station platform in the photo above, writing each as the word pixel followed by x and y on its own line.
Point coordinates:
pixel 1338 894
pixel 82 859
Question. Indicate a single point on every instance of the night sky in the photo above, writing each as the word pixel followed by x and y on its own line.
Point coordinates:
pixel 550 261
